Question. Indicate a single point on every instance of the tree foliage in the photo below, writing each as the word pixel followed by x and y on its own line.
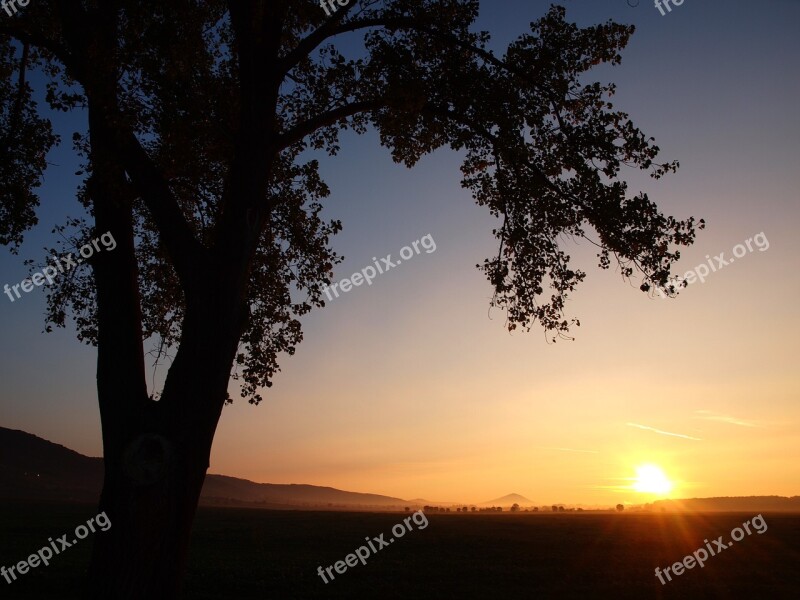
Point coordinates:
pixel 219 110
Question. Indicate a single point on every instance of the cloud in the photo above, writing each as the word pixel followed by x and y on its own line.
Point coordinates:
pixel 712 416
pixel 680 435
pixel 571 450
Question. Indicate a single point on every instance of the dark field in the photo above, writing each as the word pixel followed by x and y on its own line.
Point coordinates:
pixel 244 554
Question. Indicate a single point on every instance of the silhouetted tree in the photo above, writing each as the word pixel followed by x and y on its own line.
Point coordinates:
pixel 515 507
pixel 620 507
pixel 199 117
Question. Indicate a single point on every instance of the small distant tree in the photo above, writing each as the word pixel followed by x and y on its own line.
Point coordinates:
pixel 620 507
pixel 555 508
pixel 474 509
pixel 515 507
pixel 408 509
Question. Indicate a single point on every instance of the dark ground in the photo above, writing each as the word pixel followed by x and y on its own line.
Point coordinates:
pixel 244 554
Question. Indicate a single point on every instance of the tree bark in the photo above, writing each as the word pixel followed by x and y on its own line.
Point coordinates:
pixel 150 497
pixel 153 483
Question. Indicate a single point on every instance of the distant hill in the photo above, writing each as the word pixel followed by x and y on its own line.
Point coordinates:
pixel 34 469
pixel 221 487
pixel 752 504
pixel 509 500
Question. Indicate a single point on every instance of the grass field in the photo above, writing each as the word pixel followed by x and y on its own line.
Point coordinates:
pixel 244 554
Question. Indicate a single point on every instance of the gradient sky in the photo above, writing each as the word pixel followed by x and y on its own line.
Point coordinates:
pixel 412 388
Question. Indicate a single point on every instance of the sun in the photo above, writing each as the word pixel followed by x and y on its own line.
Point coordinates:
pixel 651 479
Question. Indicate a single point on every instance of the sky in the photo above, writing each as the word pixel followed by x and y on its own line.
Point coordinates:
pixel 411 387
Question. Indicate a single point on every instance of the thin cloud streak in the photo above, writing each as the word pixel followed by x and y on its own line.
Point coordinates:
pixel 659 431
pixel 711 416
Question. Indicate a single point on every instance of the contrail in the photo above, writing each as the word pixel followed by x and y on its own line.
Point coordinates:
pixel 680 435
pixel 711 416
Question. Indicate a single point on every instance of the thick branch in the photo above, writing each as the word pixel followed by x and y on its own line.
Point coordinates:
pixel 307 45
pixel 301 130
pixel 93 71
pixel 186 252
pixel 310 43
pixel 35 39
pixel 239 217
pixel 16 111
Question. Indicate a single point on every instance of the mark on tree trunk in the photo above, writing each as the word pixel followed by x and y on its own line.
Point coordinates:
pixel 146 459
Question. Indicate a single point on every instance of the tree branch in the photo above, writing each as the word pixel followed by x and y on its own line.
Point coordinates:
pixel 492 139
pixel 307 45
pixel 184 248
pixel 16 111
pixel 238 218
pixel 40 41
pixel 100 87
pixel 298 132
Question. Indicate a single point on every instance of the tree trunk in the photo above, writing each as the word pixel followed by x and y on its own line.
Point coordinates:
pixel 155 463
pixel 156 453
pixel 150 497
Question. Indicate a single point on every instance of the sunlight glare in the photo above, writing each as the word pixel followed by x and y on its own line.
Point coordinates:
pixel 651 479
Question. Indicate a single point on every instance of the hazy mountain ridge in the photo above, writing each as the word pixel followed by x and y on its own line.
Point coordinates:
pixel 32 468
pixel 36 469
pixel 753 504
pixel 222 486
